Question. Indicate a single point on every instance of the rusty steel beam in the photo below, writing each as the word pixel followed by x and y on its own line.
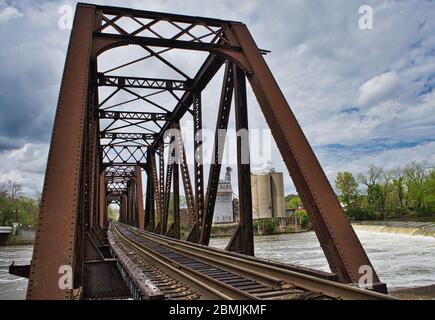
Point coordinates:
pixel 139 199
pixel 161 185
pixel 134 115
pixel 167 192
pixel 339 242
pixel 102 200
pixel 119 39
pixel 243 239
pixel 194 235
pixel 149 204
pixel 142 83
pixel 218 150
pixel 185 176
pixel 164 16
pixel 156 189
pixel 176 201
pixel 127 136
pixel 56 233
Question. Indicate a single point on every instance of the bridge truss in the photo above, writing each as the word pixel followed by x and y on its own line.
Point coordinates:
pixel 99 150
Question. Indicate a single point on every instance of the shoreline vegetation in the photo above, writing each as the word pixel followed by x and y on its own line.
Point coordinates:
pixel 402 194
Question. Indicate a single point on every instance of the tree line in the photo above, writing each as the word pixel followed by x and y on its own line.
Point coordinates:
pixel 15 207
pixel 407 191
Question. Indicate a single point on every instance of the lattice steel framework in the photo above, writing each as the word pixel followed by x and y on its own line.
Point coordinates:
pixel 98 149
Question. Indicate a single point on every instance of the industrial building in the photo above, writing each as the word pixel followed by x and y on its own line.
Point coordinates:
pixel 224 200
pixel 267 194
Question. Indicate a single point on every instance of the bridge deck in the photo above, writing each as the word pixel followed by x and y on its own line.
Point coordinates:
pixel 157 267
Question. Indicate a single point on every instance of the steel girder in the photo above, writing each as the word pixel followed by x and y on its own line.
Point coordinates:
pixel 92 164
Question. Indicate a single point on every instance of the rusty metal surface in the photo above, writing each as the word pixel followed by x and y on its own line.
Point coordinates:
pixel 139 198
pixel 102 201
pixel 56 232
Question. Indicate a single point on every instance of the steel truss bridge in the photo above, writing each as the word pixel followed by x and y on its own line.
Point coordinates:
pixel 99 150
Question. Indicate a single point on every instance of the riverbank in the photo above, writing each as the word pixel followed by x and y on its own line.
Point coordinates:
pixel 420 293
pixel 21 235
pixel 268 226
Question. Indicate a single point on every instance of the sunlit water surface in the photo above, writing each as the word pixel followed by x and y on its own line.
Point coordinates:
pixel 400 260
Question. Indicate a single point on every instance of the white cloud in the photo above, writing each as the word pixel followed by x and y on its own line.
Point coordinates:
pixel 387 159
pixel 377 88
pixel 25 166
pixel 9 13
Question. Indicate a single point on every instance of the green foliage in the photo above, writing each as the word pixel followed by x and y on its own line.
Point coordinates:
pixel 112 213
pixel 293 201
pixel 303 217
pixel 380 194
pixel 270 225
pixel 15 208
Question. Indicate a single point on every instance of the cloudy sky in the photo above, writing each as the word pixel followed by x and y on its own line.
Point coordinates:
pixel 361 96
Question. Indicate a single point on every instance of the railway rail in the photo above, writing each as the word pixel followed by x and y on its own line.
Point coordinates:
pixel 157 267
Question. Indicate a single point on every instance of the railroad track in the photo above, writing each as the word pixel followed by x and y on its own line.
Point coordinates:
pixel 179 270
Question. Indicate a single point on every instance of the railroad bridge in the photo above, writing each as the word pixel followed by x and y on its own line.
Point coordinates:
pixel 103 150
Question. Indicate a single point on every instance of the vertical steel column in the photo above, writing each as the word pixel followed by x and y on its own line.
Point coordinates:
pixel 181 158
pixel 129 203
pixel 56 236
pixel 167 196
pixel 91 149
pixel 161 184
pixel 139 199
pixel 124 209
pixel 218 150
pixel 198 167
pixel 102 200
pixel 150 198
pixel 243 238
pixel 176 201
pixel 156 192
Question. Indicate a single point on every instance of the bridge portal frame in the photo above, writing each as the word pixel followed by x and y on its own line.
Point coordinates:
pixel 74 200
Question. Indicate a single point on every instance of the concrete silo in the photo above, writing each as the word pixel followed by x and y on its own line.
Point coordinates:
pixel 277 186
pixel 267 194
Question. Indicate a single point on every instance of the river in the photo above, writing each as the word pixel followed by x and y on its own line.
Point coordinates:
pixel 11 287
pixel 402 261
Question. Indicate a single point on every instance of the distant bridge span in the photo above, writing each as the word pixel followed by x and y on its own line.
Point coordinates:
pixel 99 150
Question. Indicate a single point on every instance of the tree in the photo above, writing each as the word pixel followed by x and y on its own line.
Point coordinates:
pixel 414 180
pixel 399 193
pixel 112 213
pixel 385 189
pixel 372 181
pixel 348 186
pixel 293 202
pixel 17 208
pixel 373 175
